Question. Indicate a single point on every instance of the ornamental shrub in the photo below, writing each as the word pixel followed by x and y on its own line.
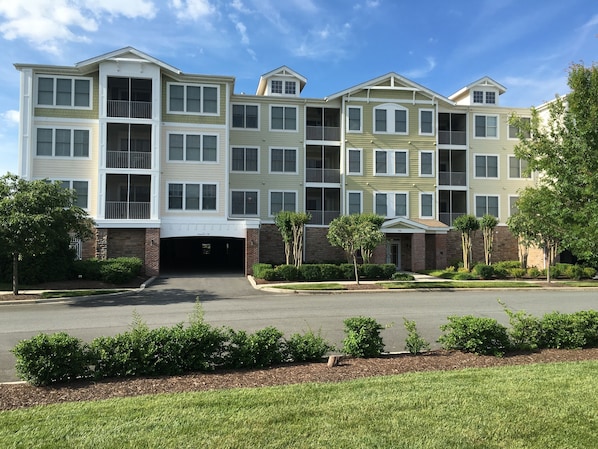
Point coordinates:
pixel 414 343
pixel 348 271
pixel 479 335
pixel 287 272
pixel 483 271
pixel 562 331
pixel 525 331
pixel 330 272
pixel 464 276
pixel 401 276
pixel 47 359
pixel 362 337
pixel 310 272
pixel 263 348
pixel 517 273
pixel 259 268
pixel 309 347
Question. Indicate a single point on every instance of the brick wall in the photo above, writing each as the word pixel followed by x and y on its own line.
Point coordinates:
pixel 271 246
pixel 504 246
pixel 252 249
pixel 319 250
pixel 152 252
pixel 126 243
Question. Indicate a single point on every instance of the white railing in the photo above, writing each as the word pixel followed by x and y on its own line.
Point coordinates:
pixel 127 210
pixel 128 159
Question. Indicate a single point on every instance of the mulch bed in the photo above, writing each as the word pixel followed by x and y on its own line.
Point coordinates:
pixel 13 396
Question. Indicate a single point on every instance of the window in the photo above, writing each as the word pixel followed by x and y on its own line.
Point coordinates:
pixel 245 159
pixel 391 162
pixel 486 205
pixel 192 147
pixel 192 196
pixel 481 97
pixel 192 99
pixel 391 118
pixel 478 96
pixel 283 201
pixel 290 87
pixel 486 166
pixel 354 161
pixel 426 163
pixel 427 205
pixel 245 116
pixel 354 119
pixel 81 189
pixel 518 168
pixel 283 118
pixel 276 87
pixel 244 202
pixel 490 97
pixel 514 130
pixel 64 92
pixel 426 122
pixel 513 209
pixel 283 160
pixel 62 142
pixel 391 204
pixel 486 126
pixel 354 203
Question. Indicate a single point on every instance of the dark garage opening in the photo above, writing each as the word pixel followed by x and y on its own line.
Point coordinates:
pixel 202 254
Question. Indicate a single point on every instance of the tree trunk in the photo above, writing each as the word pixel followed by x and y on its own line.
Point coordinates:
pixel 547 263
pixel 15 273
pixel 355 267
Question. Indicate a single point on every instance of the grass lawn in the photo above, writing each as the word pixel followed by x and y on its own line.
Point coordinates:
pixel 535 406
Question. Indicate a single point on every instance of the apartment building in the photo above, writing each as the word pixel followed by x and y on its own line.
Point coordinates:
pixel 186 174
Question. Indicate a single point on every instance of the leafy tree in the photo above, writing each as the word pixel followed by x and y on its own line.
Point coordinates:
pixel 283 223
pixel 467 225
pixel 368 246
pixel 522 226
pixel 291 226
pixel 37 217
pixel 487 224
pixel 563 147
pixel 354 232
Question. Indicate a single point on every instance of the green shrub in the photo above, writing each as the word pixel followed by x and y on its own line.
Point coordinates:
pixel 533 272
pixel 348 271
pixel 263 348
pixel 414 343
pixel 270 274
pixel 287 272
pixel 464 276
pixel 87 269
pixel 589 272
pixel 587 322
pixel 362 337
pixel 574 272
pixel 371 271
pixel 483 271
pixel 310 272
pixel 517 273
pixel 46 359
pixel 259 268
pixel 113 271
pixel 503 268
pixel 525 331
pixel 308 347
pixel 330 272
pixel 561 331
pixel 400 276
pixel 475 334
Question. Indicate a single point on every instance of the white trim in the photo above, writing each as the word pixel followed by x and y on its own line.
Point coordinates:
pixel 245 148
pixel 496 116
pixel 244 128
pixel 191 161
pixel 360 130
pixel 391 195
pixel 390 121
pixel 53 156
pixel 360 172
pixel 348 193
pixel 475 175
pixel 511 196
pixel 283 172
pixel 283 130
pixel 475 205
pixel 391 162
pixel 283 191
pixel 202 99
pixel 184 209
pixel 54 92
pixel 257 191
pixel 419 125
pixel 421 194
pixel 426 175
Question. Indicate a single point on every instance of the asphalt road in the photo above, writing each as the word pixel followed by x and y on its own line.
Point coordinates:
pixel 229 300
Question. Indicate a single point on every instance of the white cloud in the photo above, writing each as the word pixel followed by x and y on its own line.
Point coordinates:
pixel 48 23
pixel 242 29
pixel 11 117
pixel 421 72
pixel 192 9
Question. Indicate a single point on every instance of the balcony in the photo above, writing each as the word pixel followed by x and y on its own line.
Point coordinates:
pixel 448 218
pixel 129 159
pixel 323 124
pixel 129 146
pixel 319 217
pixel 124 210
pixel 129 109
pixel 323 133
pixel 452 138
pixel 330 175
pixel 452 178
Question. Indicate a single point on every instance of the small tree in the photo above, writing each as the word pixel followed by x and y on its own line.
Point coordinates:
pixel 487 224
pixel 467 225
pixel 298 222
pixel 368 247
pixel 37 217
pixel 520 226
pixel 283 223
pixel 352 233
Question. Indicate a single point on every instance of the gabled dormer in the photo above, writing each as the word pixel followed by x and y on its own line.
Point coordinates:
pixel 282 82
pixel 484 91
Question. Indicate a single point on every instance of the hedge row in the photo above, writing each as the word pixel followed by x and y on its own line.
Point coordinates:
pixel 512 269
pixel 113 271
pixel 323 272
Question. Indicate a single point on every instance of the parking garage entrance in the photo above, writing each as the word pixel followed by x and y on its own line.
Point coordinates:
pixel 202 254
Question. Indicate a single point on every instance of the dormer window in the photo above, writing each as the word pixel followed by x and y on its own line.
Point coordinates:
pixel 290 87
pixel 484 97
pixel 276 87
pixel 478 96
pixel 490 98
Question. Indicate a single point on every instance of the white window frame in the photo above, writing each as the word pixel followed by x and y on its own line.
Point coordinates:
pixel 245 191
pixel 486 156
pixel 201 139
pixel 244 148
pixel 426 175
pixel 54 92
pixel 422 133
pixel 390 109
pixel 202 99
pixel 475 204
pixel 284 129
pixel 484 93
pixel 360 109
pixel 184 208
pixel 284 150
pixel 485 136
pixel 270 192
pixel 521 170
pixel 421 195
pixel 516 129
pixel 390 162
pixel 512 198
pixel 353 173
pixel 353 192
pixel 70 182
pixel 72 143
pixel 391 211
pixel 245 127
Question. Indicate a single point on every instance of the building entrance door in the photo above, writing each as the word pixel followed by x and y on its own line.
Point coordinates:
pixel 393 253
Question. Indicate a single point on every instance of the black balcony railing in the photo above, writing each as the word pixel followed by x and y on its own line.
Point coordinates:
pixel 452 138
pixel 448 217
pixel 330 175
pixel 129 109
pixel 454 178
pixel 323 133
pixel 319 217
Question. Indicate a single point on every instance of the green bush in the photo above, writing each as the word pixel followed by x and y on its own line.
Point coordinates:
pixel 87 269
pixel 308 347
pixel 362 337
pixel 525 331
pixel 263 348
pixel 46 359
pixel 464 276
pixel 483 271
pixel 310 272
pixel 400 276
pixel 475 334
pixel 533 272
pixel 270 274
pixel 330 272
pixel 414 343
pixel 287 272
pixel 259 268
pixel 589 272
pixel 503 268
pixel 587 322
pixel 517 273
pixel 113 271
pixel 348 271
pixel 562 331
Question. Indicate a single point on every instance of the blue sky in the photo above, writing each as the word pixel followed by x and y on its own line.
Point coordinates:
pixel 527 46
